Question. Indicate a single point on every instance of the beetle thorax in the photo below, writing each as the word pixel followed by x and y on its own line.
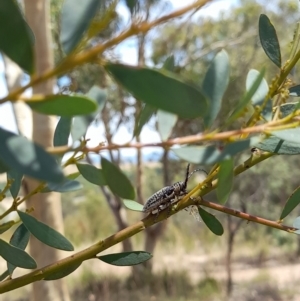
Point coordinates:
pixel 178 186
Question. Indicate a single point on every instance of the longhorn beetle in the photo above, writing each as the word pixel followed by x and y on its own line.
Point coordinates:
pixel 168 195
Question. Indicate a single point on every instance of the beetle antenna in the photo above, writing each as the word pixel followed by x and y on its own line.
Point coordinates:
pixel 199 169
pixel 187 174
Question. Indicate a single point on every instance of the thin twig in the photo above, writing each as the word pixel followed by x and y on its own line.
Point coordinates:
pixel 91 54
pixel 222 136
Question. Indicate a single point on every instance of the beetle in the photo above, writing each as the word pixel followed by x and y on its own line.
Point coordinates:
pixel 168 195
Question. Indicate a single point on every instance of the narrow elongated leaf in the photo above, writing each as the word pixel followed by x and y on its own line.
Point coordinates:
pixel 117 181
pixel 225 180
pixel 66 186
pixel 79 128
pixel 63 105
pixel 28 158
pixel 4 275
pixel 62 131
pixel 260 94
pixel 126 258
pixel 246 98
pixel 16 256
pixel 211 154
pixel 20 240
pixel 262 90
pixel 295 91
pixel 63 273
pixel 5 226
pixel 161 89
pixel 267 112
pixel 145 115
pixel 17 181
pixel 3 167
pixel 81 123
pixel 169 63
pixel 73 176
pixel 211 222
pixel 290 135
pixel 132 205
pixel 279 146
pixel 75 20
pixel 166 121
pixel 288 108
pixel 16 36
pixel 132 5
pixel 99 96
pixel 215 84
pixel 44 233
pixel 269 40
pixel 92 174
pixel 292 202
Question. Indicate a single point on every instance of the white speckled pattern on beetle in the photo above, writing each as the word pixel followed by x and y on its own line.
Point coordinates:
pixel 168 195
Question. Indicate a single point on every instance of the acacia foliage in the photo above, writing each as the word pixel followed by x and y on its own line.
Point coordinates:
pixel 272 128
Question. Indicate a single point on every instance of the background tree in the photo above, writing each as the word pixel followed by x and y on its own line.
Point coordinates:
pixel 144 84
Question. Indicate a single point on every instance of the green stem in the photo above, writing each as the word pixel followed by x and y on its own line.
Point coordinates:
pixel 130 231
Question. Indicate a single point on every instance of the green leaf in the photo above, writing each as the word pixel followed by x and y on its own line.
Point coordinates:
pixel 4 275
pixel 260 94
pixel 160 89
pixel 3 167
pixel 16 256
pixel 278 146
pixel 92 174
pixel 73 176
pixel 215 84
pixel 28 158
pixel 62 131
pixel 269 40
pixel 287 109
pixel 17 181
pixel 169 63
pixel 5 226
pixel 262 90
pixel 79 128
pixel 44 233
pixel 126 258
pixel 211 222
pixel 20 240
pixel 292 202
pixel 144 116
pixel 295 91
pixel 290 135
pixel 296 224
pixel 165 121
pixel 132 5
pixel 75 20
pixel 132 205
pixel 66 186
pixel 63 105
pixel 99 96
pixel 15 36
pixel 246 98
pixel 211 154
pixel 63 273
pixel 225 180
pixel 116 180
pixel 267 112
pixel 81 123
